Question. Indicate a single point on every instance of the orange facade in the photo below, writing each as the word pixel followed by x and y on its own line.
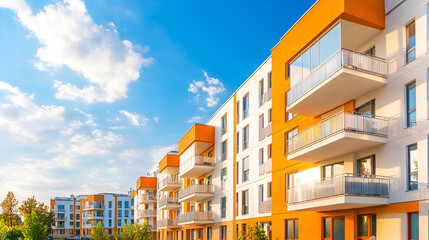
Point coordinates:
pixel 170 160
pixel 198 133
pixel 146 182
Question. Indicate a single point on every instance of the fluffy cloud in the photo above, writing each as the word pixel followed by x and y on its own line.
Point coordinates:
pixel 69 37
pixel 195 119
pixel 211 87
pixel 136 119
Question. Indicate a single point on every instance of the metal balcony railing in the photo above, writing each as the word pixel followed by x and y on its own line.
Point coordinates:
pixel 265 206
pixel 169 180
pixel 343 58
pixel 265 168
pixel 197 188
pixel 167 222
pixel 343 121
pixel 344 184
pixel 196 160
pixel 167 200
pixel 196 216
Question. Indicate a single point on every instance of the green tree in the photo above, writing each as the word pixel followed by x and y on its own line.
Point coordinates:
pixel 32 205
pixel 254 232
pixel 33 228
pixel 10 210
pixel 136 232
pixel 3 230
pixel 99 233
pixel 14 233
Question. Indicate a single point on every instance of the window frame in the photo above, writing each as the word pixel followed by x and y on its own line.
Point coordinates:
pixel 407 102
pixel 294 221
pixel 409 225
pixel 370 230
pixel 407 41
pixel 409 173
pixel 245 111
pixel 245 134
pixel 245 202
pixel 224 124
pixel 224 150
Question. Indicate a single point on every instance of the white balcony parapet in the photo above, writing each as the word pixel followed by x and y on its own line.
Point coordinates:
pixel 196 217
pixel 203 163
pixel 196 189
pixel 266 131
pixel 169 182
pixel 343 121
pixel 168 200
pixel 265 206
pixel 343 58
pixel 146 213
pixel 167 223
pixel 146 198
pixel 265 168
pixel 345 184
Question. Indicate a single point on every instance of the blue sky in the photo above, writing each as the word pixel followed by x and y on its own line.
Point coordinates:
pixel 94 93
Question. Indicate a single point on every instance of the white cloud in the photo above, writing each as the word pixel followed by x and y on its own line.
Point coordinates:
pixel 211 88
pixel 69 37
pixel 202 109
pixel 136 119
pixel 195 119
pixel 156 119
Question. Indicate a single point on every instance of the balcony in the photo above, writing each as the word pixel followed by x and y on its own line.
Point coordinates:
pixel 345 76
pixel 169 183
pixel 146 213
pixel 265 168
pixel 265 97
pixel 168 203
pixel 94 217
pixel 194 218
pixel 345 191
pixel 146 198
pixel 167 223
pixel 342 133
pixel 196 193
pixel 265 132
pixel 196 166
pixel 59 210
pixel 92 207
pixel 265 206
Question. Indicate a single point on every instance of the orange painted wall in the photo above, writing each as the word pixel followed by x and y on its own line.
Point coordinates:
pixel 198 132
pixel 146 182
pixel 170 160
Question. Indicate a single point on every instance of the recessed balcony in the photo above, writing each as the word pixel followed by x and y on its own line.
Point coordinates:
pixel 345 191
pixel 168 203
pixel 342 133
pixel 195 218
pixel 345 76
pixel 265 168
pixel 146 213
pixel 196 193
pixel 265 132
pixel 146 198
pixel 169 183
pixel 167 223
pixel 265 206
pixel 196 166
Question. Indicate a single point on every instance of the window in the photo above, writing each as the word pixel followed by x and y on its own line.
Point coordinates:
pixel 245 137
pixel 411 42
pixel 237 172
pixel 245 202
pixel 261 92
pixel 290 182
pixel 237 143
pixel 291 226
pixel 270 115
pixel 269 151
pixel 412 167
pixel 119 213
pixel 290 116
pixel 413 226
pixel 127 213
pixel 261 156
pixel 261 128
pixel 332 170
pixel 245 106
pixel 367 109
pixel 411 104
pixel 77 225
pixel 245 169
pixel 270 80
pixel 222 233
pixel 223 178
pixel 333 228
pixel 370 51
pixel 289 135
pixel 223 124
pixel 238 113
pixel 236 204
pixel 367 226
pixel 269 193
pixel 209 233
pixel 261 193
pixel 71 208
pixel 61 208
pixel 209 206
pixel 110 213
pixel 209 180
pixel 110 204
pixel 366 166
pixel 224 150
pixel 127 204
pixel 119 222
pixel 223 207
pixel 119 204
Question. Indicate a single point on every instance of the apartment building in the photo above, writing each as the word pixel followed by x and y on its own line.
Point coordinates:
pixel 67 216
pixel 77 216
pixel 145 200
pixel 350 122
pixel 219 181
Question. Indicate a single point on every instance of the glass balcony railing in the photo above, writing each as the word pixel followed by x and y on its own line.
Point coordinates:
pixel 197 188
pixel 343 121
pixel 343 58
pixel 167 222
pixel 345 184
pixel 265 206
pixel 168 200
pixel 265 168
pixel 196 216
